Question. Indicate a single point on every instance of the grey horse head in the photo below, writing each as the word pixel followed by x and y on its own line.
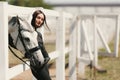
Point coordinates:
pixel 19 27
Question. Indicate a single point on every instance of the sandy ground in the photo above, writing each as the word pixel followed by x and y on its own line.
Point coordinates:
pixel 28 76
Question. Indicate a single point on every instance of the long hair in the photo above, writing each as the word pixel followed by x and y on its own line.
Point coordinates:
pixel 34 17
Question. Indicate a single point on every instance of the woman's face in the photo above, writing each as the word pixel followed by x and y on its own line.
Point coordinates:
pixel 39 20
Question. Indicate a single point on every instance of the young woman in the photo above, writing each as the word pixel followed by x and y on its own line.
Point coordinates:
pixel 40 72
pixel 38 19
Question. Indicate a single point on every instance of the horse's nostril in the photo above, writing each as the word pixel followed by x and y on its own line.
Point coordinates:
pixel 27 39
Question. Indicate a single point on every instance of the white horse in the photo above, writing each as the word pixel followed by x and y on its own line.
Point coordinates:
pixel 24 37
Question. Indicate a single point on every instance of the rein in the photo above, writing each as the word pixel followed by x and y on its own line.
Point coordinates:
pixel 21 59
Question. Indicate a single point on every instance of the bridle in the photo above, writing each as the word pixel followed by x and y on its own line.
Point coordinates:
pixel 28 52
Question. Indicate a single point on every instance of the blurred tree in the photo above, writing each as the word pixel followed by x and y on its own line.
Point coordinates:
pixel 30 3
pixel 2 0
pixel 37 3
pixel 17 2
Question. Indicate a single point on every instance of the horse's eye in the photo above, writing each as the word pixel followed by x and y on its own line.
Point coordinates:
pixel 27 39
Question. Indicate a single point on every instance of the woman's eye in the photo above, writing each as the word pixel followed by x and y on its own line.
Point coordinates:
pixel 27 39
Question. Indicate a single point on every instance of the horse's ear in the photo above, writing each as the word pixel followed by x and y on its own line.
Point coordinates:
pixel 17 19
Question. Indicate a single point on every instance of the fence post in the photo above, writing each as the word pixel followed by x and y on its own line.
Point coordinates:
pixel 81 63
pixel 4 41
pixel 95 61
pixel 117 36
pixel 60 48
pixel 73 53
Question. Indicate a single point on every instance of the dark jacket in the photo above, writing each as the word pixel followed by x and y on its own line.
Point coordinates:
pixel 41 45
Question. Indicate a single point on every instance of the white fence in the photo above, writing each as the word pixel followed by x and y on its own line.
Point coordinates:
pixel 95 32
pixel 79 40
pixel 8 10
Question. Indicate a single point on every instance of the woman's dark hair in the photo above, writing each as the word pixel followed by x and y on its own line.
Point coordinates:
pixel 34 17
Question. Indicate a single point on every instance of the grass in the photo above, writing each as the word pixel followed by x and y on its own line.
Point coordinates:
pixel 111 64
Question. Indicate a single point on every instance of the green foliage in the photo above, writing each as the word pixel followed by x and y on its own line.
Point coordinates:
pixel 2 0
pixel 30 3
pixel 17 2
